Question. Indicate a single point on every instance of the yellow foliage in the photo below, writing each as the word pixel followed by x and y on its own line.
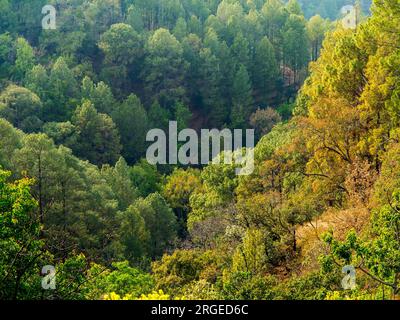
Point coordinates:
pixel 155 295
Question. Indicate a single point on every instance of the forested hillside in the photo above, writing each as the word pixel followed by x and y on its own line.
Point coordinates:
pixel 77 193
pixel 126 66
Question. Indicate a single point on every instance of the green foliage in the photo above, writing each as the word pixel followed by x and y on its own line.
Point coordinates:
pixel 242 101
pixel 64 133
pixel 265 69
pixel 98 139
pixel 22 108
pixel 61 92
pixel 10 140
pixel 246 286
pixel 121 279
pixel 118 179
pixel 384 247
pixel 182 115
pixel 145 178
pixel 158 117
pixel 314 286
pixel 122 47
pixel 217 191
pixel 164 68
pixel 6 49
pixel 71 275
pixel 316 29
pixel 132 122
pixel 181 268
pixel 179 187
pixel 76 104
pixel 120 44
pixel 155 212
pixel 295 54
pixel 21 248
pixel 134 237
pixel 250 255
pixel 100 95
pixel 25 58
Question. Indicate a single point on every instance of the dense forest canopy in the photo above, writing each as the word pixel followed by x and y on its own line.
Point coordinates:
pixel 202 63
pixel 76 191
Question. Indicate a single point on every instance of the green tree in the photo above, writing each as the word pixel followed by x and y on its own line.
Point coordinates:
pixel 22 108
pixel 242 99
pixel 98 140
pixel 177 191
pixel 21 250
pixel 241 50
pixel 274 16
pixel 145 178
pixel 121 279
pixel 180 29
pixel 64 133
pixel 38 159
pixel 10 142
pixel 164 69
pixel 6 52
pixel 132 122
pixel 25 59
pixel 182 116
pixel 155 212
pixel 294 7
pixel 250 255
pixel 316 28
pixel 121 44
pixel 122 47
pixel 158 117
pixel 100 95
pixel 180 268
pixel 119 181
pixel 37 80
pixel 134 237
pixel 211 96
pixel 134 19
pixel 195 26
pixel 295 40
pixel 99 16
pixel 63 90
pixel 265 70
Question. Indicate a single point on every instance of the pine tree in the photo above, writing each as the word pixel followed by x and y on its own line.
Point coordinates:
pixel 132 122
pixel 242 100
pixel 265 70
pixel 182 116
pixel 25 59
pixel 180 29
pixel 100 95
pixel 295 49
pixel 164 69
pixel 63 90
pixel 98 140
pixel 211 96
